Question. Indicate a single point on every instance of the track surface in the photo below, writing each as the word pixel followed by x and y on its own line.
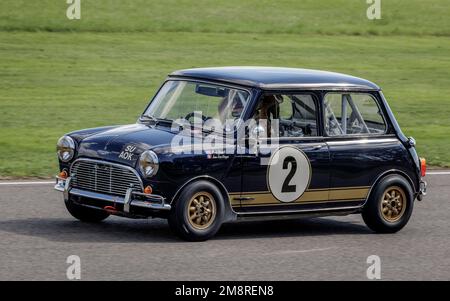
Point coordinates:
pixel 37 235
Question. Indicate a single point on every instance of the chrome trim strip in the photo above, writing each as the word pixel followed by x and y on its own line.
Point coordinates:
pixel 281 212
pixel 362 141
pixel 96 195
pixel 111 164
pixel 319 86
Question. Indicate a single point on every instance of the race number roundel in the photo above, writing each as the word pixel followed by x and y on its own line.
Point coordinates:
pixel 289 173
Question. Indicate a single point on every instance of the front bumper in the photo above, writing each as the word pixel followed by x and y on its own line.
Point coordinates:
pixel 132 200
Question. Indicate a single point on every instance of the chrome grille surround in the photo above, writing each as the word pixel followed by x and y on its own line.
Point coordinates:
pixel 104 177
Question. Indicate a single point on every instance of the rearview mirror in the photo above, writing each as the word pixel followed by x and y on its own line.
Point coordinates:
pixel 210 91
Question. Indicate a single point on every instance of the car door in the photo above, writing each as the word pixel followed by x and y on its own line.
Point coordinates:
pixel 290 169
pixel 361 144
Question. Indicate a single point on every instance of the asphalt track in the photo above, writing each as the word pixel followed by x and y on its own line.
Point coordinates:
pixel 37 235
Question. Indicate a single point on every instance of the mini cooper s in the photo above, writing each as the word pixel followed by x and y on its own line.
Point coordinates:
pixel 216 145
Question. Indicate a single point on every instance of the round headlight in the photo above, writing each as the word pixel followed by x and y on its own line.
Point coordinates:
pixel 148 163
pixel 65 148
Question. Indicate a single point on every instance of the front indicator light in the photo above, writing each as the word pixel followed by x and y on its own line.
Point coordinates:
pixel 63 175
pixel 148 190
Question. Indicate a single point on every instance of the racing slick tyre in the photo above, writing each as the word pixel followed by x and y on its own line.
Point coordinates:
pixel 389 206
pixel 198 212
pixel 85 214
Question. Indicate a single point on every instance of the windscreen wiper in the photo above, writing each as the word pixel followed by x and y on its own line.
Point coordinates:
pixel 155 120
pixel 148 118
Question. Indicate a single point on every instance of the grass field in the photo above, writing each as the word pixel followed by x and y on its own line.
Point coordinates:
pixel 58 75
pixel 333 17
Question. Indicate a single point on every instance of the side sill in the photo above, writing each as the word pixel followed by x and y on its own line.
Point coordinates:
pixel 283 215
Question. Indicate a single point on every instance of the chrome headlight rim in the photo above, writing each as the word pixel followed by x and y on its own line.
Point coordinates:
pixel 148 163
pixel 65 148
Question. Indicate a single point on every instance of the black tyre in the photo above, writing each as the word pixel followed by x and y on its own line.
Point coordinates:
pixel 389 206
pixel 85 214
pixel 198 212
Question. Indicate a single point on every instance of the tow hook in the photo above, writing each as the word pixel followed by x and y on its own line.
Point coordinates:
pixel 110 209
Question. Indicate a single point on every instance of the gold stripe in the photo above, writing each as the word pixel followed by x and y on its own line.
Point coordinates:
pixel 235 203
pixel 309 196
pixel 343 194
pixel 315 189
pixel 299 203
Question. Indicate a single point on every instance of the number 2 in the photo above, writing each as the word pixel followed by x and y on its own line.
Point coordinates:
pixel 286 186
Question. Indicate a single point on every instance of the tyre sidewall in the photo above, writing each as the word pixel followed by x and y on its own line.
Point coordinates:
pixel 178 219
pixel 372 210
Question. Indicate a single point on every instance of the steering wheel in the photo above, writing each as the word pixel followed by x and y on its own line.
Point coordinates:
pixel 190 115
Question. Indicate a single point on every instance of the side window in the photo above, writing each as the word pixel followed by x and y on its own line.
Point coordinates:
pixel 296 114
pixel 352 114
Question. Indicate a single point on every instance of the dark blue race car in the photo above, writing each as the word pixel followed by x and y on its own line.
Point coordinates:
pixel 220 144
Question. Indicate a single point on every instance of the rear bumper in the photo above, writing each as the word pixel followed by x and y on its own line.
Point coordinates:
pixel 422 190
pixel 132 200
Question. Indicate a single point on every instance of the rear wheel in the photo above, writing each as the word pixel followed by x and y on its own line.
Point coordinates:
pixel 198 212
pixel 85 214
pixel 389 206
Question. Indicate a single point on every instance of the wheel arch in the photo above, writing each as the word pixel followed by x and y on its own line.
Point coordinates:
pixel 386 174
pixel 229 214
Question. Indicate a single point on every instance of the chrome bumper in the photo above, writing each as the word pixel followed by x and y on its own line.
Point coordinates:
pixel 152 201
pixel 422 190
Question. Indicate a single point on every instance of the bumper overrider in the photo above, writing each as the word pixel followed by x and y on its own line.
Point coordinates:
pixel 422 190
pixel 134 201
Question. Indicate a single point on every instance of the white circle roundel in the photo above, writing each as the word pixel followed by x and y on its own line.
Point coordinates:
pixel 289 173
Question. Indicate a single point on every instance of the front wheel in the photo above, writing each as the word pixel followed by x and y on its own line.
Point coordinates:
pixel 198 212
pixel 85 214
pixel 389 206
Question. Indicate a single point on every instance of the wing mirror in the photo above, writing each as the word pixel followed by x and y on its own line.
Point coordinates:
pixel 411 142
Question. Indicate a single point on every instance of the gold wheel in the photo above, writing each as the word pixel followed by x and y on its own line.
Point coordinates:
pixel 201 211
pixel 393 203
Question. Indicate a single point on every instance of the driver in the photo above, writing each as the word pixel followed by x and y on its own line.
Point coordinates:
pixel 230 109
pixel 268 110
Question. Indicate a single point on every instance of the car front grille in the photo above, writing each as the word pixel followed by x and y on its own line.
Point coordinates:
pixel 103 177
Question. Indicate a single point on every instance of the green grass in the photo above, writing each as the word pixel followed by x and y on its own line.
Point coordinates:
pixel 58 75
pixel 410 17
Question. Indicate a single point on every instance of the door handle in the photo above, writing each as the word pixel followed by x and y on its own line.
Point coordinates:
pixel 317 147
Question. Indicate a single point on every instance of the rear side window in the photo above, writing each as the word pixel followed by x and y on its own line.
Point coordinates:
pixel 352 114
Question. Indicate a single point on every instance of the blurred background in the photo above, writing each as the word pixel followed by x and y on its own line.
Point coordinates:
pixel 59 75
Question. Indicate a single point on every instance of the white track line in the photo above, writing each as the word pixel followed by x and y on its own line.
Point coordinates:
pixel 438 173
pixel 26 183
pixel 286 252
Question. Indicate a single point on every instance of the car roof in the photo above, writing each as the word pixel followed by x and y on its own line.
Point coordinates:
pixel 274 78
